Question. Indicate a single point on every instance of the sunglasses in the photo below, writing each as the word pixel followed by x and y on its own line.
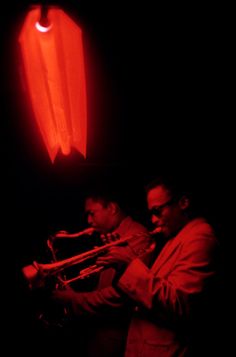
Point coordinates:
pixel 157 211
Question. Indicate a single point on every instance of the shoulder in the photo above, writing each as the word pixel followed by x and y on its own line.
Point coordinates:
pixel 199 235
pixel 130 226
pixel 198 227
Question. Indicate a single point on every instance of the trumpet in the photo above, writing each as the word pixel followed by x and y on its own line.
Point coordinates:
pixel 36 271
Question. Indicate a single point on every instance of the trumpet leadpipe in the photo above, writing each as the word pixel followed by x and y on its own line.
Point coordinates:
pixel 94 269
pixel 34 270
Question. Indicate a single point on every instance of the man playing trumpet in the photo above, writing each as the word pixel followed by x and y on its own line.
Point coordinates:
pixel 107 311
pixel 175 298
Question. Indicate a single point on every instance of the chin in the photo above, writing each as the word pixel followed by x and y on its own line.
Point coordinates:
pixel 166 233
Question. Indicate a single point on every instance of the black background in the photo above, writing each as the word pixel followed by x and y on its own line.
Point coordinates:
pixel 159 99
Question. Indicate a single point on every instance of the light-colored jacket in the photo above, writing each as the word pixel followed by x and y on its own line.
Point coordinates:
pixel 167 294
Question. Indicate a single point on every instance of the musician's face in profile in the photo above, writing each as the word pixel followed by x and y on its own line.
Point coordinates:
pixel 99 215
pixel 166 212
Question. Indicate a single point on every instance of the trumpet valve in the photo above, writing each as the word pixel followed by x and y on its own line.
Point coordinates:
pixel 109 237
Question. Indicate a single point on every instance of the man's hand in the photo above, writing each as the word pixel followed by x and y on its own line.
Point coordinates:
pixel 109 237
pixel 118 256
pixel 64 296
pixel 146 255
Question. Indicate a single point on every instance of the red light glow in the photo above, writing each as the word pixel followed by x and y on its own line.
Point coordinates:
pixel 54 70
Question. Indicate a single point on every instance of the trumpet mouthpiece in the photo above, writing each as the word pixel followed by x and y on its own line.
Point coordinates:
pixel 155 231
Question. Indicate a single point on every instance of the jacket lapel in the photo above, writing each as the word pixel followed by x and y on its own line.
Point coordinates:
pixel 172 245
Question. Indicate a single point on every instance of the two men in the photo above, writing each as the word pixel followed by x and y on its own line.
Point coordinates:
pixel 169 292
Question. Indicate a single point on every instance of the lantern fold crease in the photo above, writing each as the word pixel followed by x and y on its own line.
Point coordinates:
pixel 53 63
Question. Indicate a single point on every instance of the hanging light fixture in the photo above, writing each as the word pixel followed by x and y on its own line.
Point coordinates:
pixel 53 62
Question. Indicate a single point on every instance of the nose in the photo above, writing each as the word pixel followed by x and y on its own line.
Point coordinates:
pixel 90 220
pixel 154 219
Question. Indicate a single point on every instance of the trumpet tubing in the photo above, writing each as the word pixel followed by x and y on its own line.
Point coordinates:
pixel 30 272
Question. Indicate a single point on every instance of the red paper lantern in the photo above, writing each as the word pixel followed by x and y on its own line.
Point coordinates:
pixel 54 70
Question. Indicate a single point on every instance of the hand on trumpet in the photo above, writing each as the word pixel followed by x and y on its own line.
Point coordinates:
pixel 120 256
pixel 109 237
pixel 63 296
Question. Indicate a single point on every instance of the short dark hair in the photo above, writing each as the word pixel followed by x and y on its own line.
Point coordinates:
pixel 175 184
pixel 106 194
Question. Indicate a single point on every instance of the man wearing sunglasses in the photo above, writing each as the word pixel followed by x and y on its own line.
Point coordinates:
pixel 172 296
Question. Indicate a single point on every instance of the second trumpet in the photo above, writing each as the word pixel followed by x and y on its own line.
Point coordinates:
pixel 36 270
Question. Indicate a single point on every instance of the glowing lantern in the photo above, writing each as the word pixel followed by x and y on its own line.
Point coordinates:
pixel 54 69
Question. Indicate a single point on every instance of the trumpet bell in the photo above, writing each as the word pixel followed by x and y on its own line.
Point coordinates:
pixel 36 271
pixel 30 272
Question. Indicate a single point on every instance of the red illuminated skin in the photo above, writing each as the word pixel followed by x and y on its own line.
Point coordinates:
pixel 164 294
pixel 104 218
pixel 108 218
pixel 173 217
pixel 111 310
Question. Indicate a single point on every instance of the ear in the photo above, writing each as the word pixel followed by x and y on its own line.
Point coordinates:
pixel 113 207
pixel 184 202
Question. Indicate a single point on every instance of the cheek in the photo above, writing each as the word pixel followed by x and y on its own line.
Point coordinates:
pixel 97 218
pixel 172 222
pixel 100 219
pixel 168 219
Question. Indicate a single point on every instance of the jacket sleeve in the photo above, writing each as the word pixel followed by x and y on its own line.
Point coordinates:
pixel 173 295
pixel 98 302
pixel 108 299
